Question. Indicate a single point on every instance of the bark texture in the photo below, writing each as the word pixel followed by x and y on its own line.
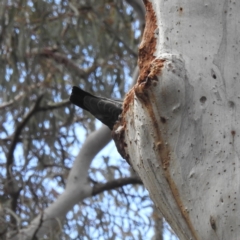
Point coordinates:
pixel 180 124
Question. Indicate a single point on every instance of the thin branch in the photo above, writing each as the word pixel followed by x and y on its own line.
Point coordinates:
pixel 47 132
pixel 99 188
pixel 16 98
pixel 52 106
pixel 109 29
pixel 22 94
pixel 34 236
pixel 51 52
pixel 17 132
pixel 12 189
pixel 22 20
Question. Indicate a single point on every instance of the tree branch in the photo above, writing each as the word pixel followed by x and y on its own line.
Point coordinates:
pixel 52 106
pixel 24 92
pixel 120 40
pixel 51 52
pixel 12 187
pixel 16 98
pixel 77 187
pixel 18 130
pixel 116 183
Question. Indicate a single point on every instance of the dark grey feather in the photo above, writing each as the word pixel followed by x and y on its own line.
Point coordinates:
pixel 106 110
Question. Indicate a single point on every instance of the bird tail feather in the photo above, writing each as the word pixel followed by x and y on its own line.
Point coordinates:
pixel 77 97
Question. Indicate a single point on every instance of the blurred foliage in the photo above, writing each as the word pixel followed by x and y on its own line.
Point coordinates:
pixel 46 47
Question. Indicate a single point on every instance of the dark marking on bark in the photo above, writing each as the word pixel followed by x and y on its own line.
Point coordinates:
pixel 231 104
pixel 180 10
pixel 203 99
pixel 163 119
pixel 213 223
pixel 233 133
pixel 214 76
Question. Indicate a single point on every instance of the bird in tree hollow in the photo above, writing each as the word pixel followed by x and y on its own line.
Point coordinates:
pixel 105 110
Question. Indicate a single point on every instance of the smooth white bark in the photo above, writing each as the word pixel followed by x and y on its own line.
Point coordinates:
pixel 183 139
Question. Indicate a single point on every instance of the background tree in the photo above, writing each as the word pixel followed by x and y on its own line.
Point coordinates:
pixel 46 47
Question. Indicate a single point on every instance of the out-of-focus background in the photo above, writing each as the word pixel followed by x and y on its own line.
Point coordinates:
pixel 46 47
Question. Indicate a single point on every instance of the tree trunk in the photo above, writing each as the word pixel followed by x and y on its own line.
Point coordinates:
pixel 180 124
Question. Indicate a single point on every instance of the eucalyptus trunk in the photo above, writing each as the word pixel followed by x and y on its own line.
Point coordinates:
pixel 180 123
